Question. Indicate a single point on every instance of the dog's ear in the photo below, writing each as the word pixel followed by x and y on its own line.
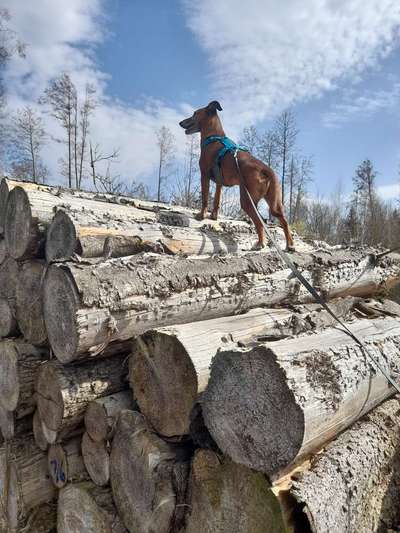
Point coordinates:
pixel 213 106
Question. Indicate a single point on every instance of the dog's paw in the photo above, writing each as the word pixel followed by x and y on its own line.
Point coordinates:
pixel 200 216
pixel 290 249
pixel 259 246
pixel 214 216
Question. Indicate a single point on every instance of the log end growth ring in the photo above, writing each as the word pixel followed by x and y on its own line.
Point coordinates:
pixel 164 382
pixel 60 302
pixel 61 240
pixel 18 223
pixel 49 398
pixel 250 411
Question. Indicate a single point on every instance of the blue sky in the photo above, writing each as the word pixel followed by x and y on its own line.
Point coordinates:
pixel 336 63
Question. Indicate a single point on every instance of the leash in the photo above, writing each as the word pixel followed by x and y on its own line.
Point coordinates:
pixel 286 259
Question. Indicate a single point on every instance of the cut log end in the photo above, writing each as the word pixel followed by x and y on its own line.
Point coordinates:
pixel 161 371
pixel 60 293
pixel 96 422
pixel 4 191
pixel 232 417
pixel 49 398
pixel 9 381
pixel 58 465
pixel 38 432
pixel 19 231
pixel 61 239
pixel 29 307
pixel 97 460
pixel 8 323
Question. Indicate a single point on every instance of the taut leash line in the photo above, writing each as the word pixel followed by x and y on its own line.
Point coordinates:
pixel 286 259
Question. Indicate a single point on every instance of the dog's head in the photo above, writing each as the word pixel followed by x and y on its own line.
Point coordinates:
pixel 194 123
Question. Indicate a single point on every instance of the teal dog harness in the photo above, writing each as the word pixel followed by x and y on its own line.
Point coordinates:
pixel 228 146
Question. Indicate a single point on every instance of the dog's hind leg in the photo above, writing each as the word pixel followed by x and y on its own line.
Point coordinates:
pixel 250 211
pixel 217 201
pixel 277 211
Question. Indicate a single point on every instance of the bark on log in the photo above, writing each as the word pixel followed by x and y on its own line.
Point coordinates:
pixel 63 393
pixel 354 485
pixel 9 277
pixel 228 497
pixel 101 414
pixel 96 459
pixel 169 366
pixel 270 405
pixel 8 322
pixel 29 307
pixel 19 362
pixel 148 477
pixel 65 463
pixel 87 306
pixel 84 507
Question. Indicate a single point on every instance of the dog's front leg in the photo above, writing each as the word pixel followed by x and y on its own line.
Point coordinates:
pixel 205 188
pixel 217 201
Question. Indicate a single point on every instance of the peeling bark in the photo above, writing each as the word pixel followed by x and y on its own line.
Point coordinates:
pixel 270 405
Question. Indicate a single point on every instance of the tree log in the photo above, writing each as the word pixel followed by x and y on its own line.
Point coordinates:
pixel 29 306
pixel 148 477
pixel 86 306
pixel 354 485
pixel 84 507
pixel 96 459
pixel 9 278
pixel 11 427
pixel 38 432
pixel 65 463
pixel 169 366
pixel 64 392
pixel 3 250
pixel 101 414
pixel 19 362
pixel 270 405
pixel 8 322
pixel 228 497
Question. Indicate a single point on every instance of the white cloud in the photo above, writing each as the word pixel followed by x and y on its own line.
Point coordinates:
pixel 269 54
pixel 389 192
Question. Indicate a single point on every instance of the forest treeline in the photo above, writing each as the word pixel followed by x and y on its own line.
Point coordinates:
pixel 360 217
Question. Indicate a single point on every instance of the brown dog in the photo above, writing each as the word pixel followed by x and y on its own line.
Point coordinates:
pixel 259 179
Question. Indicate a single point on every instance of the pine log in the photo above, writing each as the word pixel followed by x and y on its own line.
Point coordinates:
pixel 96 459
pixel 65 463
pixel 89 305
pixel 84 507
pixel 169 366
pixel 354 484
pixel 228 497
pixel 148 477
pixel 8 322
pixel 63 392
pixel 101 414
pixel 19 362
pixel 29 308
pixel 271 405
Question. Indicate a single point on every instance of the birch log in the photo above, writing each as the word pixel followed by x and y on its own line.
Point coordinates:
pixel 148 477
pixel 354 485
pixel 63 392
pixel 19 362
pixel 96 459
pixel 87 306
pixel 169 366
pixel 65 463
pixel 29 308
pixel 270 405
pixel 101 414
pixel 225 497
pixel 84 507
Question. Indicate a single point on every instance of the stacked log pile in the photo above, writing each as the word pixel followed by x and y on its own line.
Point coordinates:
pixel 157 375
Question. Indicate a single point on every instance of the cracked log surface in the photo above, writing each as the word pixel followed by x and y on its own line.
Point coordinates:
pixel 354 484
pixel 96 458
pixel 101 414
pixel 63 392
pixel 270 405
pixel 19 362
pixel 225 497
pixel 29 307
pixel 148 477
pixel 90 304
pixel 169 366
pixel 84 507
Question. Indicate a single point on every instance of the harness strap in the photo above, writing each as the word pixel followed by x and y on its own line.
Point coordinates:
pixel 286 259
pixel 228 146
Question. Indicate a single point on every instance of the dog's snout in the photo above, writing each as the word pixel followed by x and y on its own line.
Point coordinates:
pixel 186 123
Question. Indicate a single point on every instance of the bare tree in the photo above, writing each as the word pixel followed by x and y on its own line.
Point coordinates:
pixel 28 138
pixel 250 139
pixel 61 96
pixel 105 180
pixel 138 190
pixel 165 142
pixel 285 131
pixel 303 176
pixel 268 149
pixel 186 190
pixel 86 110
